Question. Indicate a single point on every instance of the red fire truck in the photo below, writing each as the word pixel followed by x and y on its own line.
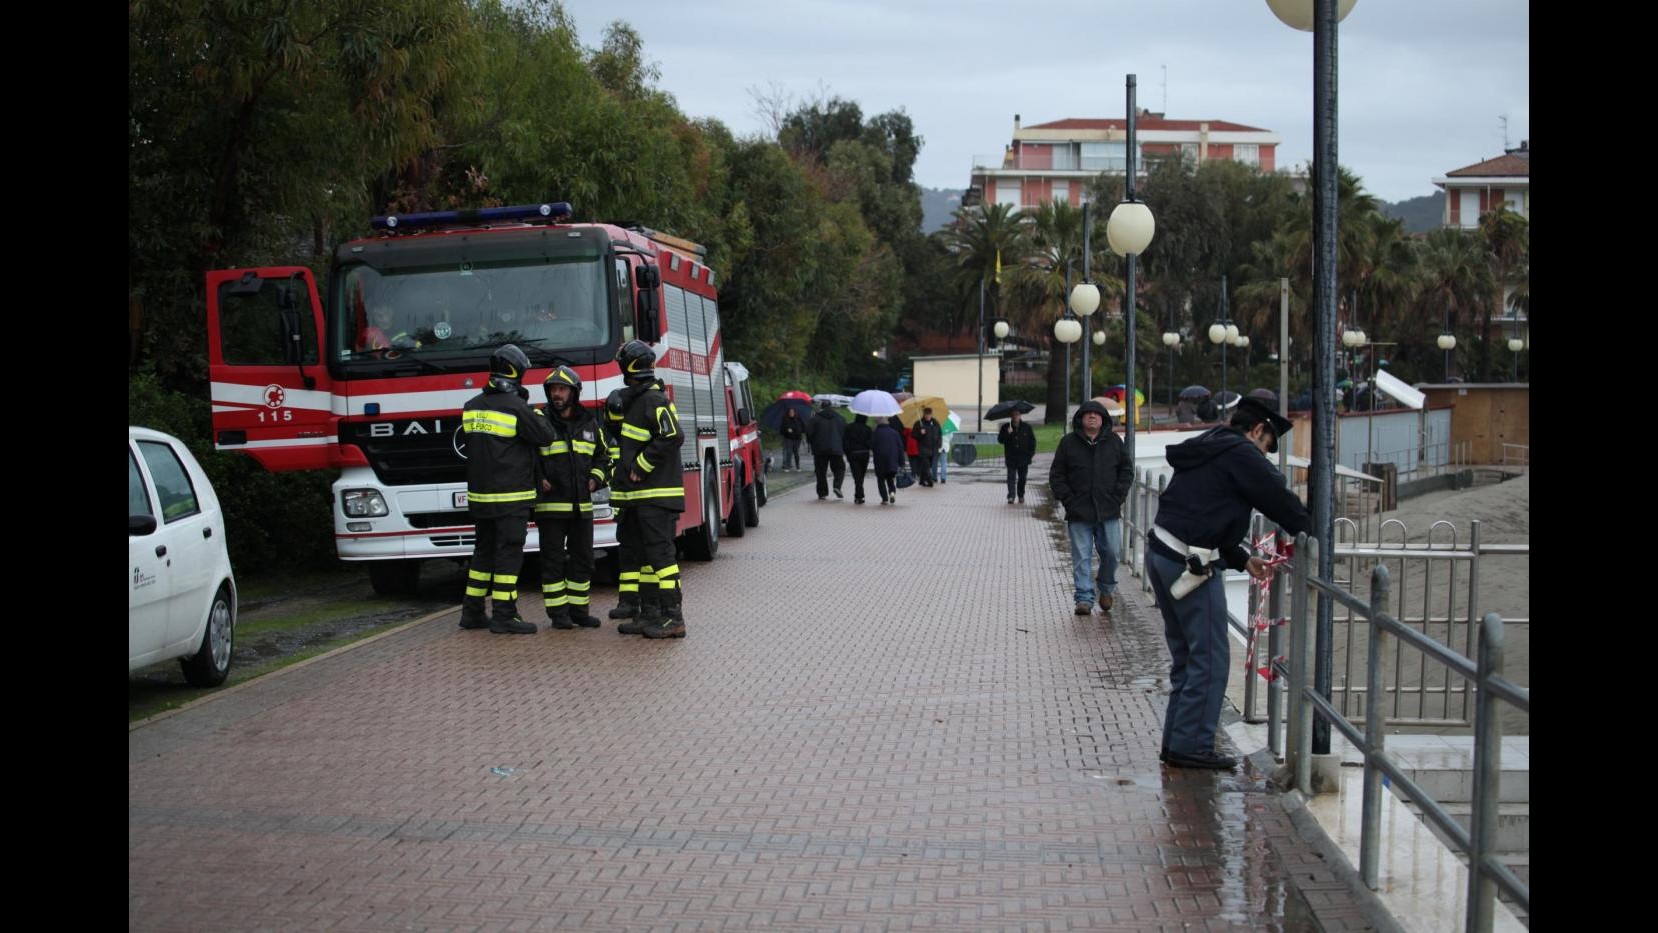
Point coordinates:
pixel 370 379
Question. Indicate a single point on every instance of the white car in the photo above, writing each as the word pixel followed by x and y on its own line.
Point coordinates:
pixel 181 597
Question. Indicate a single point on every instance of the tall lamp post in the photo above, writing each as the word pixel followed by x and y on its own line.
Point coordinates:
pixel 1515 345
pixel 1085 300
pixel 1224 333
pixel 1067 330
pixel 1171 339
pixel 1321 16
pixel 981 350
pixel 1447 342
pixel 1129 231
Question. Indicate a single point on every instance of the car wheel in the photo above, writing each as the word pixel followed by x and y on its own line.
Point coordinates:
pixel 703 542
pixel 210 664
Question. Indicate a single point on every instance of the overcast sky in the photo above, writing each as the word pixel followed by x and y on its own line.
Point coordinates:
pixel 1423 83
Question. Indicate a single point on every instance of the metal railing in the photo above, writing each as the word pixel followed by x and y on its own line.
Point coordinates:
pixel 1485 673
pixel 1517 455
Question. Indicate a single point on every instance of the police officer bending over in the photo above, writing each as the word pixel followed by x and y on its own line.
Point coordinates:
pixel 1202 521
pixel 574 466
pixel 649 479
pixel 503 436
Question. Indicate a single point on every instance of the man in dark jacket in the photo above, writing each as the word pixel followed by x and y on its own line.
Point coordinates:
pixel 856 442
pixel 887 444
pixel 929 439
pixel 573 467
pixel 1018 447
pixel 1090 477
pixel 1202 520
pixel 792 430
pixel 502 438
pixel 824 433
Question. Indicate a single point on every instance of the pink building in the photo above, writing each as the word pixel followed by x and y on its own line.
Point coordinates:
pixel 1055 161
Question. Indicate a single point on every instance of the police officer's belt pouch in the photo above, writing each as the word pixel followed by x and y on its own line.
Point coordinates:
pixel 1199 564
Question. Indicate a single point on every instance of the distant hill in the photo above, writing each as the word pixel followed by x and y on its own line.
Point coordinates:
pixel 937 204
pixel 1419 214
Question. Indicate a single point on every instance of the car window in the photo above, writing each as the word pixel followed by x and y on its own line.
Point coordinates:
pixel 172 481
pixel 138 498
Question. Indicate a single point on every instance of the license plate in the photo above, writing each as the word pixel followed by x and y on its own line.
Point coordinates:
pixel 460 500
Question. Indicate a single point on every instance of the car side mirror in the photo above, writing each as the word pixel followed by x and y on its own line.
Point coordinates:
pixel 743 417
pixel 140 525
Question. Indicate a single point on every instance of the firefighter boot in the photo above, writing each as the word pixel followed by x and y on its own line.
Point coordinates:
pixel 579 615
pixel 627 606
pixel 650 615
pixel 505 620
pixel 559 617
pixel 672 622
pixel 472 613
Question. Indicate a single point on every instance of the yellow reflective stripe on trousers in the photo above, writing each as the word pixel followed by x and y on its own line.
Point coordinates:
pixel 490 497
pixel 475 577
pixel 498 423
pixel 554 507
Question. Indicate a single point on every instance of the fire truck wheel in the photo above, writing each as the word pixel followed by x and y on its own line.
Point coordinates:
pixel 703 541
pixel 736 526
pixel 394 577
pixel 753 497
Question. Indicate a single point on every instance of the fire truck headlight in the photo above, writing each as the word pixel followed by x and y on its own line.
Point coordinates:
pixel 363 503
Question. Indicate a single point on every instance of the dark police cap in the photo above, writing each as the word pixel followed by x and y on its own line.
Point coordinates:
pixel 1280 425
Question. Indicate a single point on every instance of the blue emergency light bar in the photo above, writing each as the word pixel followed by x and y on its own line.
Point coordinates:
pixel 554 211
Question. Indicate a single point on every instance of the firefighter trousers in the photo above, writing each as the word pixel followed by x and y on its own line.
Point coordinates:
pixel 566 560
pixel 650 531
pixel 497 555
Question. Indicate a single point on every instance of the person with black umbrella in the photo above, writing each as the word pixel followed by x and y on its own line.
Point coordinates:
pixel 1202 525
pixel 1019 446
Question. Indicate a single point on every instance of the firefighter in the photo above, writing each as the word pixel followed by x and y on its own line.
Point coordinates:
pixel 630 558
pixel 502 437
pixel 650 477
pixel 574 466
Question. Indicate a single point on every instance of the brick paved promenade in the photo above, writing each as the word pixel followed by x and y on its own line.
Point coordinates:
pixel 883 718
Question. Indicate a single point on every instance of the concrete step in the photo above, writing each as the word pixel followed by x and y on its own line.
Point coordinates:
pixel 1513 835
pixel 1456 785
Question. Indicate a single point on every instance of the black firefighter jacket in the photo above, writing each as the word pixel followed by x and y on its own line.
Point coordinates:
pixel 577 454
pixel 503 436
pixel 651 445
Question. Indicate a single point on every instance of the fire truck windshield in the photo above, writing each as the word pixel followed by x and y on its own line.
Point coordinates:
pixel 453 316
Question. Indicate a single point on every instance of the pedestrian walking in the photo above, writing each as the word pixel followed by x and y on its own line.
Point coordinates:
pixel 1090 477
pixel 856 443
pixel 1220 476
pixel 929 437
pixel 502 437
pixel 887 446
pixel 792 430
pixel 651 481
pixel 1018 447
pixel 573 467
pixel 824 435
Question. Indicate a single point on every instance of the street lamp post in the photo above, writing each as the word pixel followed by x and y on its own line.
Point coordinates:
pixel 1171 339
pixel 1085 300
pixel 1321 474
pixel 1129 231
pixel 981 351
pixel 1067 330
pixel 1515 345
pixel 1447 342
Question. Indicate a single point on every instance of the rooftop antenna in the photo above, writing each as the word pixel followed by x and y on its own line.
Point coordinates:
pixel 1504 117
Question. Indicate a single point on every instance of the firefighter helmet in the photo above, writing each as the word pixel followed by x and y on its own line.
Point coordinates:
pixel 638 361
pixel 507 367
pixel 562 376
pixel 615 406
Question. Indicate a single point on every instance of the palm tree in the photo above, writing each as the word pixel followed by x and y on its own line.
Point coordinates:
pixel 980 239
pixel 1453 282
pixel 1507 238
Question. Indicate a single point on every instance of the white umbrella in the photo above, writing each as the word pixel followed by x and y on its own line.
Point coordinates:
pixel 876 403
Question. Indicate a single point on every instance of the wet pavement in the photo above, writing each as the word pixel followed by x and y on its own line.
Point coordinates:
pixel 884 717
